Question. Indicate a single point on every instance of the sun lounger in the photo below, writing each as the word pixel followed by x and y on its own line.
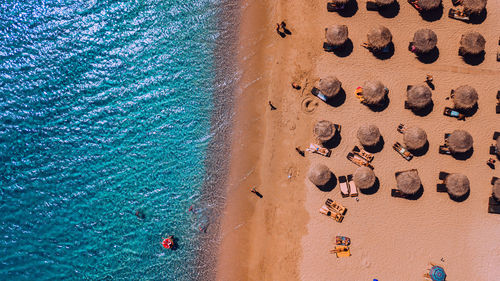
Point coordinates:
pixel 316 92
pixel 443 175
pixel 358 160
pixel 496 135
pixel 453 113
pixel 441 187
pixel 352 186
pixel 341 251
pixel 402 151
pixel 371 6
pixel 314 148
pixel 335 207
pixel 329 47
pixel 415 5
pixel 498 56
pixel 359 94
pixel 402 128
pixel 407 105
pixel 332 7
pixel 498 108
pixel 493 206
pixel 342 241
pixel 344 188
pixel 493 180
pixel 498 96
pixel 363 153
pixel 333 215
pixel 444 149
pixel 493 150
pixel 398 194
pixel 458 15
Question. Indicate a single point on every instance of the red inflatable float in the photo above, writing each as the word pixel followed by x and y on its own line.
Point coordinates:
pixel 168 242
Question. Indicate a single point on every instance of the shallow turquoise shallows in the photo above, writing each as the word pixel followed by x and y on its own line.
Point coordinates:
pixel 105 110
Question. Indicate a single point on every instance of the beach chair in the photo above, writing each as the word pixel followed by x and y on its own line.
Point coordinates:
pixel 344 188
pixel 496 135
pixel 498 108
pixel 493 180
pixel 453 113
pixel 341 251
pixel 342 241
pixel 314 148
pixel 444 149
pixel 332 7
pixel 363 153
pixel 458 14
pixel 352 186
pixel 415 5
pixel 443 175
pixel 335 207
pixel 493 150
pixel 407 105
pixel 498 56
pixel 333 215
pixel 359 94
pixel 358 160
pixel 402 128
pixel 441 186
pixel 402 151
pixel 316 92
pixel 398 194
pixel 493 206
pixel 329 47
pixel 371 6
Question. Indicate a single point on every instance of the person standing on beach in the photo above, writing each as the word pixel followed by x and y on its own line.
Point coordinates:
pixel 272 106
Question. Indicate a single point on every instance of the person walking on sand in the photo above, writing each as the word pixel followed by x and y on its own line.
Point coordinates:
pixel 272 106
pixel 295 86
pixel 491 163
pixel 278 30
pixel 253 190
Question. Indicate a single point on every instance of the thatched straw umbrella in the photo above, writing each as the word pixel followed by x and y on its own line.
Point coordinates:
pixel 319 174
pixel 336 35
pixel 379 37
pixel 364 178
pixel 419 97
pixel 368 135
pixel 384 2
pixel 465 97
pixel 408 182
pixel 429 4
pixel 324 131
pixel 472 43
pixel 424 40
pixel 457 184
pixel 374 92
pixel 329 86
pixel 460 141
pixel 474 6
pixel 414 138
pixel 496 189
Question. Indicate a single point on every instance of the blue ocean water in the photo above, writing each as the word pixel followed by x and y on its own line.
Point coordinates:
pixel 105 109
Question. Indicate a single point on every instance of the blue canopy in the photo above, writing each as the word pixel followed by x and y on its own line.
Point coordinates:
pixel 437 273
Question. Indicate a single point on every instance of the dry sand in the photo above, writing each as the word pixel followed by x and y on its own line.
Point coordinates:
pixel 282 236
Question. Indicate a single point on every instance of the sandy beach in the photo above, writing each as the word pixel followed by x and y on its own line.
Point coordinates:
pixel 282 236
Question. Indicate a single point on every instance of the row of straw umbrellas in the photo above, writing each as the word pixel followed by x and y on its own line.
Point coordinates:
pixel 465 97
pixel 415 138
pixel 408 182
pixel 424 40
pixel 470 6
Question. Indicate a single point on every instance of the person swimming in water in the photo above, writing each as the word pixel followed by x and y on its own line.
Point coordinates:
pixel 140 214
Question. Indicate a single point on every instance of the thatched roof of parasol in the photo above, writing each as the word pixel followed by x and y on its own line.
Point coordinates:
pixel 384 2
pixel 379 37
pixel 474 6
pixel 419 96
pixel 424 40
pixel 457 184
pixel 319 174
pixel 473 43
pixel 368 135
pixel 374 92
pixel 330 86
pixel 460 141
pixel 429 4
pixel 465 97
pixel 336 34
pixel 414 138
pixel 408 182
pixel 364 178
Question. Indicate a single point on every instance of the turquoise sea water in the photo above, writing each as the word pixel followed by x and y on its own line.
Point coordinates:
pixel 105 109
